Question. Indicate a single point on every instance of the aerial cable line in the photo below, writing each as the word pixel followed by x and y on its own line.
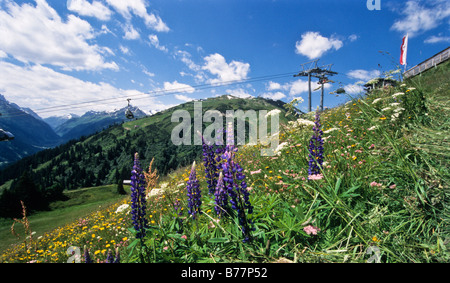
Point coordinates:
pixel 153 94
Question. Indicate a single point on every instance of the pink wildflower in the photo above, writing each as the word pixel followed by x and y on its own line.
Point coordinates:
pixel 392 186
pixel 184 237
pixel 311 230
pixel 255 172
pixel 372 146
pixel 315 177
pixel 375 184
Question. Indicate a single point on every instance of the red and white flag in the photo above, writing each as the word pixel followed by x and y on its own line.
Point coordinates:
pixel 404 50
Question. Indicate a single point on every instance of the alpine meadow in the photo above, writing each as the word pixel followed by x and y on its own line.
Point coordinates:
pixel 226 167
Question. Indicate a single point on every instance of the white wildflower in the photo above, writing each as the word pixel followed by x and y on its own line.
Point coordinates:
pixel 395 104
pixel 376 100
pixel 386 109
pixel 280 147
pixel 303 122
pixel 273 112
pixel 122 208
pixel 372 128
pixel 411 88
pixel 398 94
pixel 400 109
pixel 330 130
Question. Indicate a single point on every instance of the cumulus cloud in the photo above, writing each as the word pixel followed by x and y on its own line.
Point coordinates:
pixel 95 9
pixel 353 88
pixel 154 41
pixel 130 32
pixel 274 96
pixel 138 8
pixel 183 97
pixel 178 87
pixel 273 86
pixel 38 34
pixel 294 88
pixel 363 74
pixel 419 18
pixel 313 45
pixel 217 65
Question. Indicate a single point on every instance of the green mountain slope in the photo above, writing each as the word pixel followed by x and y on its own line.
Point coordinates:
pixel 31 134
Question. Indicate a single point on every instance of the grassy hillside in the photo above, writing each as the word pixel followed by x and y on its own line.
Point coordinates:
pixel 79 204
pixel 381 195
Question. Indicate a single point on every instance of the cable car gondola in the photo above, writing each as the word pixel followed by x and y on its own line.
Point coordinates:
pixel 128 112
pixel 5 135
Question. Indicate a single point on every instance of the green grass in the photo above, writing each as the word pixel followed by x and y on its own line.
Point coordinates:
pixel 80 203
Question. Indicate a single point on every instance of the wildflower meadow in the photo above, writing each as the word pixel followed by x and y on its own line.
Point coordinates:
pixel 345 184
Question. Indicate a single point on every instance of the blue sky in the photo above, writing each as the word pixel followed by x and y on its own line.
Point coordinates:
pixel 160 53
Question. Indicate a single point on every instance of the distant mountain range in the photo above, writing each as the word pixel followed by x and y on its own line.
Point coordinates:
pixel 33 133
pixel 72 126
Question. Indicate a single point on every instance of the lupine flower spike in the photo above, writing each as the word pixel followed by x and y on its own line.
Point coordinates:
pixel 316 148
pixel 210 162
pixel 236 188
pixel 221 197
pixel 193 193
pixel 138 202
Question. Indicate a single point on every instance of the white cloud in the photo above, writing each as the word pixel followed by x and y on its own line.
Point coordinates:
pixel 124 49
pixel 293 88
pixel 353 88
pixel 273 86
pixel 154 41
pixel 94 9
pixel 274 96
pixel 313 45
pixel 3 54
pixel 38 34
pixel 183 97
pixel 420 18
pixel 353 37
pixel 233 71
pixel 437 39
pixel 138 8
pixel 178 87
pixel 363 74
pixel 40 87
pixel 130 32
pixel 298 87
pixel 185 57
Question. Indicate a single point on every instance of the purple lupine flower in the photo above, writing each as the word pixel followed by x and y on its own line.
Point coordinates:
pixel 236 187
pixel 109 257
pixel 221 197
pixel 193 193
pixel 210 162
pixel 138 202
pixel 87 256
pixel 316 148
pixel 117 258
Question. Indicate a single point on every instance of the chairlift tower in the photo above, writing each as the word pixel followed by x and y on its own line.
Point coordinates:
pixel 310 69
